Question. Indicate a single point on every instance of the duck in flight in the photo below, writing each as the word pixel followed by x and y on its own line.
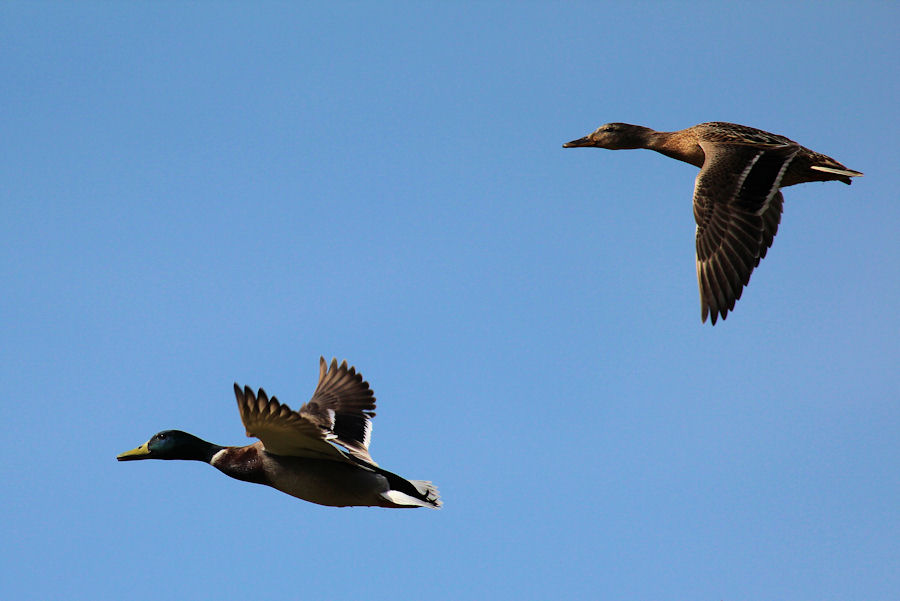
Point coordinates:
pixel 737 197
pixel 319 453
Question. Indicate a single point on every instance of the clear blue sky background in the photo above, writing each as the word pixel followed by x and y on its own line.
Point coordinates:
pixel 197 194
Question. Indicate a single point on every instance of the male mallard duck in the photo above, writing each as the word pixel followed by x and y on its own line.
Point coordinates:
pixel 298 452
pixel 737 202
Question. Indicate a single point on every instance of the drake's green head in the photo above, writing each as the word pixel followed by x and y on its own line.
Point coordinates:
pixel 172 444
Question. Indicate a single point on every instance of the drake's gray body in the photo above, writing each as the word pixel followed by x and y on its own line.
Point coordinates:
pixel 323 481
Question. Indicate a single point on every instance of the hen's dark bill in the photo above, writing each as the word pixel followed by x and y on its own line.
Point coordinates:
pixel 585 141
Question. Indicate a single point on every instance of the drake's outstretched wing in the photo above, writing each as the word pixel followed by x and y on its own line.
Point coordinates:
pixel 339 412
pixel 344 405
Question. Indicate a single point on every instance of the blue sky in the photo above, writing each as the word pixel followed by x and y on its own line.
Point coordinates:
pixel 197 194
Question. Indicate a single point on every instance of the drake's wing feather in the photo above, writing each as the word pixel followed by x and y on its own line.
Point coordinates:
pixel 344 405
pixel 737 207
pixel 282 431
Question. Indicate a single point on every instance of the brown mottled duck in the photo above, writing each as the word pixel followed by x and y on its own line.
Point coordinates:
pixel 737 197
pixel 319 453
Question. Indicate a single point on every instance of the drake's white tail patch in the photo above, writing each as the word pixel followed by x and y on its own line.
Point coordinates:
pixel 424 487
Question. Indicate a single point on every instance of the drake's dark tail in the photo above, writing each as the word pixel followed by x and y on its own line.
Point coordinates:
pixel 411 493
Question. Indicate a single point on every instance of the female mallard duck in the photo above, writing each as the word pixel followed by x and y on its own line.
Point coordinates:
pixel 737 202
pixel 298 453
